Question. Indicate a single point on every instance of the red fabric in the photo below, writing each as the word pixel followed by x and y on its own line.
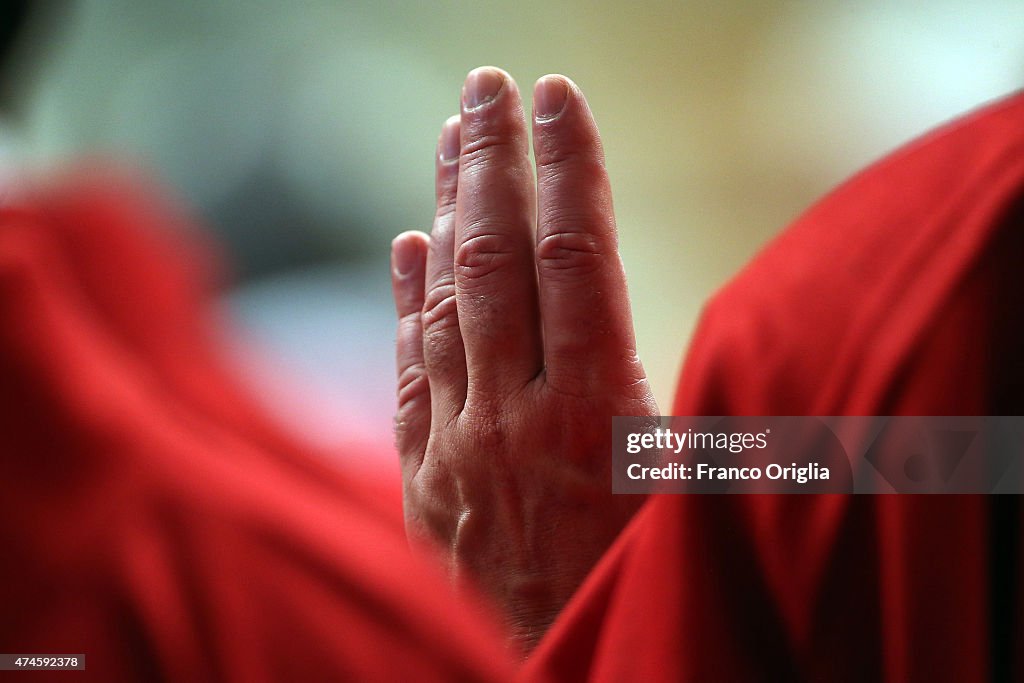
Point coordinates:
pixel 898 294
pixel 150 516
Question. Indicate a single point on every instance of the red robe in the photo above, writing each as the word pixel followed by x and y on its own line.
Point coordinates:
pixel 150 516
pixel 900 293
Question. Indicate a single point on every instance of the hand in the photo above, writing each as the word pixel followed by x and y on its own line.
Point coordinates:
pixel 515 350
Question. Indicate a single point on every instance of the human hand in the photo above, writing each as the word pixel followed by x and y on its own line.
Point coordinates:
pixel 515 350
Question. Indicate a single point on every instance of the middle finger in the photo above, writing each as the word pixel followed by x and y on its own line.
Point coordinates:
pixel 495 276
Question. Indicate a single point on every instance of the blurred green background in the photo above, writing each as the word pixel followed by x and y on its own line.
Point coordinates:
pixel 303 132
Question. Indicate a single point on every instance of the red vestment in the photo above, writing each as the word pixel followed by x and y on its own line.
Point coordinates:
pixel 151 517
pixel 900 293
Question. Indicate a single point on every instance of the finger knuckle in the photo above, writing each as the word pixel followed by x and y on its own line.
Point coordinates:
pixel 568 378
pixel 440 314
pixel 407 436
pixel 489 250
pixel 431 497
pixel 413 385
pixel 486 149
pixel 571 375
pixel 483 420
pixel 499 164
pixel 570 250
pixel 556 158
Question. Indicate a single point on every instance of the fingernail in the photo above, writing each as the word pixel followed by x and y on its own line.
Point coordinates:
pixel 449 147
pixel 482 86
pixel 404 258
pixel 549 97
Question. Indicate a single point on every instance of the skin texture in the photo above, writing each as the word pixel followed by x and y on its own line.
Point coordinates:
pixel 515 350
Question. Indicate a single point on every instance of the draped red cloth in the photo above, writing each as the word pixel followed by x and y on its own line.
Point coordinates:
pixel 900 293
pixel 151 517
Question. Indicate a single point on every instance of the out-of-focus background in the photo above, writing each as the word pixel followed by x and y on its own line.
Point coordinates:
pixel 302 133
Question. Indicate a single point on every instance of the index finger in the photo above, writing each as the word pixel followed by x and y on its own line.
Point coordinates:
pixel 588 327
